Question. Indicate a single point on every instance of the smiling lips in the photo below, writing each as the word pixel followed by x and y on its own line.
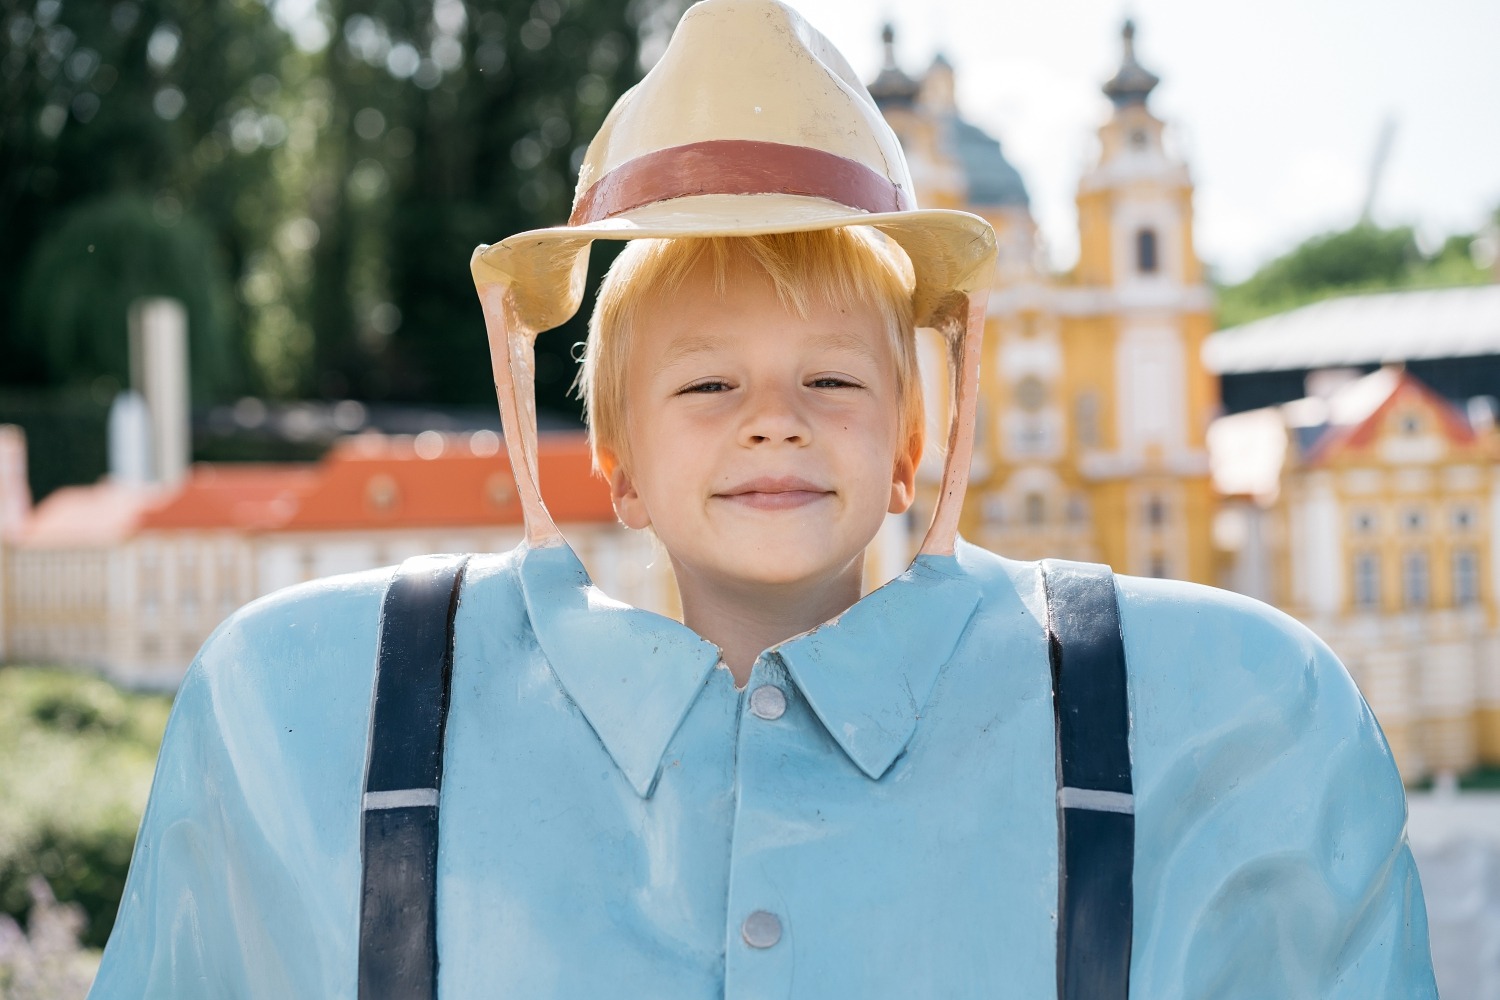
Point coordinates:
pixel 775 493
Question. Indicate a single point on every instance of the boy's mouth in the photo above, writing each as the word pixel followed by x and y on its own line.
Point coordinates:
pixel 775 493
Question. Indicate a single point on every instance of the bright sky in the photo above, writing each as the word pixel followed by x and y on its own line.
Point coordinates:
pixel 1277 106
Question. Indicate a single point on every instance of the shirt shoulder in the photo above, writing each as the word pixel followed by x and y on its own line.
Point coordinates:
pixel 318 635
pixel 1200 653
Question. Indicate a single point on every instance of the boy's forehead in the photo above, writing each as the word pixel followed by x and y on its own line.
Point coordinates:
pixel 689 343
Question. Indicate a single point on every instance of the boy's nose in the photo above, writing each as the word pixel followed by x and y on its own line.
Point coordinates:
pixel 773 417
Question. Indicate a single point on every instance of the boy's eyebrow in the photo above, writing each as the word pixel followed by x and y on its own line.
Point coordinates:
pixel 837 340
pixel 846 340
pixel 687 347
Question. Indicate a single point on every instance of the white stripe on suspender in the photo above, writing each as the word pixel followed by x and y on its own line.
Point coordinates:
pixel 401 798
pixel 1096 800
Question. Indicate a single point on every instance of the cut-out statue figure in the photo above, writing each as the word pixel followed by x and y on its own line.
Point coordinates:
pixel 985 779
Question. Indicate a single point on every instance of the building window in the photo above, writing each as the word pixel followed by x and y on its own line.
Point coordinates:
pixel 1413 519
pixel 1465 577
pixel 187 583
pixel 382 494
pixel 1145 251
pixel 150 578
pixel 1414 589
pixel 1031 394
pixel 1156 511
pixel 1367 580
pixel 1159 566
pixel 1463 519
pixel 1078 509
pixel 1364 522
pixel 1139 139
pixel 1086 416
pixel 1410 423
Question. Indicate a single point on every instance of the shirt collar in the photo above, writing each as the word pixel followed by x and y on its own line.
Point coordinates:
pixel 633 674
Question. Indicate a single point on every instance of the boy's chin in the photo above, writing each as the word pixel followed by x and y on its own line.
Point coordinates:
pixel 792 571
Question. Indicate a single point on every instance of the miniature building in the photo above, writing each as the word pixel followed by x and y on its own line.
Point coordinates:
pixel 1090 440
pixel 1369 514
pixel 131 579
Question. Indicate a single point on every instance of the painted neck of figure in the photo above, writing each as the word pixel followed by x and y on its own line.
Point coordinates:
pixel 746 618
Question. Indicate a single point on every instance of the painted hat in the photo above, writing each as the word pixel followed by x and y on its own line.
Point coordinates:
pixel 751 123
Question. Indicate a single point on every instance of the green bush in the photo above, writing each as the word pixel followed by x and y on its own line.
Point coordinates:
pixel 76 759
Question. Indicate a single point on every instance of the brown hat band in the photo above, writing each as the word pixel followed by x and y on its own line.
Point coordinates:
pixel 737 166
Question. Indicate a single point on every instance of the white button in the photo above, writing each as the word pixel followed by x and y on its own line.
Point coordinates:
pixel 761 929
pixel 768 702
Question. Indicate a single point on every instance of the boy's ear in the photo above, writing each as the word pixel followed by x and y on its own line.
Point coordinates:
pixel 629 507
pixel 904 476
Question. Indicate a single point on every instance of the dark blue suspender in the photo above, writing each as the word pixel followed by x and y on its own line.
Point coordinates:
pixel 403 772
pixel 1095 800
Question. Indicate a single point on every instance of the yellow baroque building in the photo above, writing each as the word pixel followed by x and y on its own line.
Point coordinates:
pixel 1093 405
pixel 1373 511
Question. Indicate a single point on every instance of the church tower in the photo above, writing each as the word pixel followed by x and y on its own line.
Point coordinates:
pixel 1134 314
pixel 1093 406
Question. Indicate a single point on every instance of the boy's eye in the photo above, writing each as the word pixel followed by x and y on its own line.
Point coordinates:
pixel 706 386
pixel 832 382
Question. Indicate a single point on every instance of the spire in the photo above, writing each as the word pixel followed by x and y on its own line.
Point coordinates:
pixel 1133 83
pixel 892 86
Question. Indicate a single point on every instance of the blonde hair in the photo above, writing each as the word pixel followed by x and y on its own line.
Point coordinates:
pixel 844 266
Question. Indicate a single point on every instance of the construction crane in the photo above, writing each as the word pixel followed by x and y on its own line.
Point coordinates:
pixel 1378 160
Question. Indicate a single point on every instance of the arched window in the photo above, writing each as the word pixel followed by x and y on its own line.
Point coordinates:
pixel 1465 577
pixel 1156 511
pixel 1145 251
pixel 1367 580
pixel 1414 591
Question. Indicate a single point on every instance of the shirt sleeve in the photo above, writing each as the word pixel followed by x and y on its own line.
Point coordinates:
pixel 1271 854
pixel 244 880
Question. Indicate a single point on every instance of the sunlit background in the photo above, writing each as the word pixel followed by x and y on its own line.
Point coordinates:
pixel 240 348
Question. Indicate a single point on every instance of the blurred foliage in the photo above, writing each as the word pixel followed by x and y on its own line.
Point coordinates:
pixel 130 98
pixel 104 255
pixel 313 185
pixel 1365 258
pixel 66 440
pixel 76 759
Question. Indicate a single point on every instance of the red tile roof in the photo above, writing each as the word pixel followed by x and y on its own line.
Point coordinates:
pixel 246 496
pixel 83 517
pixel 435 480
pixel 1452 422
pixel 366 482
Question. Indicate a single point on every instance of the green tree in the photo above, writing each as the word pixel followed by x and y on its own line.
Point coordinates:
pixel 163 100
pixel 1364 258
pixel 455 123
pixel 105 254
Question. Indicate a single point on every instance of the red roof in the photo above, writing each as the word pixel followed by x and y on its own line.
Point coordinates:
pixel 436 480
pixel 1452 422
pixel 366 482
pixel 82 517
pixel 234 496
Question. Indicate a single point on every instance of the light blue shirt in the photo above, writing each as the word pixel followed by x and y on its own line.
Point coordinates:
pixel 613 809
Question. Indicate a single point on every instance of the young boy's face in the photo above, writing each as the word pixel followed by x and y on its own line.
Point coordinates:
pixel 764 446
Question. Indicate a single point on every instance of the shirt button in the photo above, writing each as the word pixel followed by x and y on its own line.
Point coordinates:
pixel 761 929
pixel 768 702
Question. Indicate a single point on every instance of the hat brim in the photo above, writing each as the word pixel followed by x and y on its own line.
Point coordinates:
pixel 952 253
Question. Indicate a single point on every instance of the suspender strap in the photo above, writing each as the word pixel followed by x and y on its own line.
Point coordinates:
pixel 1095 803
pixel 403 772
